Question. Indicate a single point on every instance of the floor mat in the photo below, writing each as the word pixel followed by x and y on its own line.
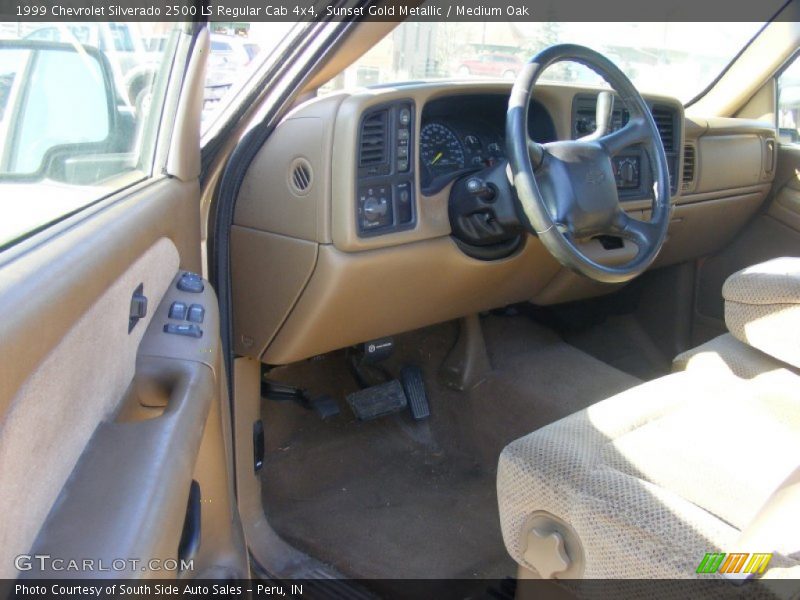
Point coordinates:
pixel 395 498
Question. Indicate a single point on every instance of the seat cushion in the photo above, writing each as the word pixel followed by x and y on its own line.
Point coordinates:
pixel 655 477
pixel 725 356
pixel 762 307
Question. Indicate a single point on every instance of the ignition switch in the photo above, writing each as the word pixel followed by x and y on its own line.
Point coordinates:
pixel 480 189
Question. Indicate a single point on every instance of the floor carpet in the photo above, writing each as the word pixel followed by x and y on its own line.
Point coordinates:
pixel 395 498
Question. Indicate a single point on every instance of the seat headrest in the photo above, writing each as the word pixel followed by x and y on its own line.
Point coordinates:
pixel 762 307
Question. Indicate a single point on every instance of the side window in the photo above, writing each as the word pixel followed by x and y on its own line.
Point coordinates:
pixel 78 117
pixel 789 104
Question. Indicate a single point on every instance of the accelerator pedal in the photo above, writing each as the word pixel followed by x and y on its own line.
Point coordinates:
pixel 378 400
pixel 414 388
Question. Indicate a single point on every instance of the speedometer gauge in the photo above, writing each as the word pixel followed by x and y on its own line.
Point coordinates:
pixel 440 151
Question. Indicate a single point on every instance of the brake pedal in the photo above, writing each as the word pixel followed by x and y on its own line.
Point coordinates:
pixel 414 388
pixel 378 400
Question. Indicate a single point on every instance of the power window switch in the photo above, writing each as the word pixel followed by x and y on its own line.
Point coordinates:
pixel 196 313
pixel 178 311
pixel 185 329
pixel 190 282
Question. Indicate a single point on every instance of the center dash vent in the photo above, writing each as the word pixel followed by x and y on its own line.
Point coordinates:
pixel 300 176
pixel 665 122
pixel 372 142
pixel 688 167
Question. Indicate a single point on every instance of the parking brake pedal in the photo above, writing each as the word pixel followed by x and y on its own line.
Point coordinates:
pixel 414 388
pixel 325 406
pixel 378 400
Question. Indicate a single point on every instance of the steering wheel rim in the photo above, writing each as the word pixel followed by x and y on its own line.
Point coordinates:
pixel 579 201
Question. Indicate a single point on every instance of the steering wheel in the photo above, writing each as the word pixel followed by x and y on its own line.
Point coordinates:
pixel 567 190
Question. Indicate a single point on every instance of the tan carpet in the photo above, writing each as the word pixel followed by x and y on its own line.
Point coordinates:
pixel 394 498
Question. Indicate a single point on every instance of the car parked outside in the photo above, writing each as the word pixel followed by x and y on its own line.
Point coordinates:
pixel 494 64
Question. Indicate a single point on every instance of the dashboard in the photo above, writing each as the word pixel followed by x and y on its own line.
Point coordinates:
pixel 342 231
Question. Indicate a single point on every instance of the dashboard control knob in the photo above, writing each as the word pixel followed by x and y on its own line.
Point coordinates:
pixel 374 209
pixel 626 172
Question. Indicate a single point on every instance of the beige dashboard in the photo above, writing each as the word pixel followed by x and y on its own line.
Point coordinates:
pixel 306 280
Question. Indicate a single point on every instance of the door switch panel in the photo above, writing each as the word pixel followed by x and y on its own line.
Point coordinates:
pixel 185 325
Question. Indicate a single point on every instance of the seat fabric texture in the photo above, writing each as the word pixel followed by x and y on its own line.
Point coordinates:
pixel 762 307
pixel 655 477
pixel 725 356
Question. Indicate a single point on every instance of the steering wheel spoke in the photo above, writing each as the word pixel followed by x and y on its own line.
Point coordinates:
pixel 635 132
pixel 536 152
pixel 643 233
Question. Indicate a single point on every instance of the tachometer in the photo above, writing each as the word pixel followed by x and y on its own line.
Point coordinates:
pixel 440 151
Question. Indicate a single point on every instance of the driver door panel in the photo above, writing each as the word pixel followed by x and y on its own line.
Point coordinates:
pixel 115 435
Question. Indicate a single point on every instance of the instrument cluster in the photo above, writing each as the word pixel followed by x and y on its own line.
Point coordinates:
pixel 467 133
pixel 446 148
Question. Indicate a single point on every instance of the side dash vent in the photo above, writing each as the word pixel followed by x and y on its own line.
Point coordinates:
pixel 301 176
pixel 373 145
pixel 689 160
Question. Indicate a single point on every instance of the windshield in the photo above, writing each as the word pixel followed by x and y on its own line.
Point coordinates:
pixel 674 59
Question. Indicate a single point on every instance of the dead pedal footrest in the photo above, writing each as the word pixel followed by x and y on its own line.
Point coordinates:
pixel 378 400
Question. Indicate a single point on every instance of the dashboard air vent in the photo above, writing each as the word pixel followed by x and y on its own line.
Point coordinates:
pixel 688 167
pixel 372 143
pixel 300 176
pixel 666 127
